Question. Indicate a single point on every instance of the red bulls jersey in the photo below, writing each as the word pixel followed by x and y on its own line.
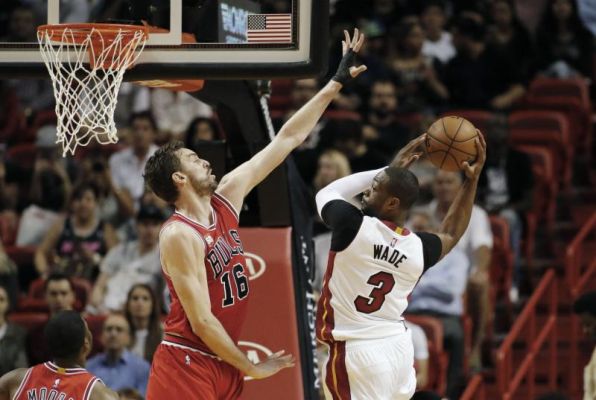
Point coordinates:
pixel 48 381
pixel 225 267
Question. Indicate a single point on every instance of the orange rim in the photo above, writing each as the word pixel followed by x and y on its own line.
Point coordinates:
pixel 80 32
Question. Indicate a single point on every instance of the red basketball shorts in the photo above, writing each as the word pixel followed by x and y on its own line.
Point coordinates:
pixel 178 372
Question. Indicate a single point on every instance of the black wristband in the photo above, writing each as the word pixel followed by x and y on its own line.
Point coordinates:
pixel 343 70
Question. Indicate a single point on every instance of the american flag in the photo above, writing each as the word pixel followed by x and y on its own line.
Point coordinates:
pixel 269 28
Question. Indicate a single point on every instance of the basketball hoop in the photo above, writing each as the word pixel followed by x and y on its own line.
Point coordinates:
pixel 87 63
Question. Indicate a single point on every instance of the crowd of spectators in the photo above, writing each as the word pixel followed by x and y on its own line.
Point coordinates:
pixel 93 224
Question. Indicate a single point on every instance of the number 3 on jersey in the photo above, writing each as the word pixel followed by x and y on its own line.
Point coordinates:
pixel 241 283
pixel 383 283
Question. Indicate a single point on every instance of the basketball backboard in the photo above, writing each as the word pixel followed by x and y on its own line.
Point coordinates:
pixel 197 39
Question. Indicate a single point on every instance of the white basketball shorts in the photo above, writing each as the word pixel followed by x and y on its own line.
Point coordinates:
pixel 379 369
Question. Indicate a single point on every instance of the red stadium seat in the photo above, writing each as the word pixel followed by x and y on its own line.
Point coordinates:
pixel 22 155
pixel 570 96
pixel 437 363
pixel 479 118
pixel 545 192
pixel 414 121
pixel 546 129
pixel 501 275
pixel 21 255
pixel 9 225
pixel 28 320
pixel 95 324
pixel 281 90
pixel 551 87
pixel 501 265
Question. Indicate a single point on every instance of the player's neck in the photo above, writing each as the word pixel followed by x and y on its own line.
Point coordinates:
pixel 195 207
pixel 68 363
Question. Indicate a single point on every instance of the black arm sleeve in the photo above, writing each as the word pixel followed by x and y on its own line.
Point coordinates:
pixel 431 248
pixel 344 220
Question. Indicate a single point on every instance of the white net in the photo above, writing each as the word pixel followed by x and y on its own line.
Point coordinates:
pixel 87 64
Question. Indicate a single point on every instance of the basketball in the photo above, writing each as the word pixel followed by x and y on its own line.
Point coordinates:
pixel 450 141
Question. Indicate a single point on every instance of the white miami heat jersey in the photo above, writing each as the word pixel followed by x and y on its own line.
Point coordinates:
pixel 366 284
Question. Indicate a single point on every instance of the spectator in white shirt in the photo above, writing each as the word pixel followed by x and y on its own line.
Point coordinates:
pixel 126 166
pixel 129 263
pixel 438 43
pixel 476 243
pixel 421 355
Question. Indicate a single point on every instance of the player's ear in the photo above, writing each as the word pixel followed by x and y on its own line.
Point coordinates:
pixel 178 177
pixel 393 203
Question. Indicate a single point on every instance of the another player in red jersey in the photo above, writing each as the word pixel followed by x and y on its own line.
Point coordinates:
pixel 69 342
pixel 203 262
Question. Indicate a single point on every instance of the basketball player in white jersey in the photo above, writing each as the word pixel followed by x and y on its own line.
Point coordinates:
pixel 373 266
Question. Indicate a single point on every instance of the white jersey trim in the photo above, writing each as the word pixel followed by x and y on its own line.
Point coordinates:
pixel 181 346
pixel 23 384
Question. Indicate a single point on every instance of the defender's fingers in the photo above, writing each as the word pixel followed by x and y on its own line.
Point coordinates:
pixel 355 37
pixel 359 43
pixel 347 38
pixel 355 71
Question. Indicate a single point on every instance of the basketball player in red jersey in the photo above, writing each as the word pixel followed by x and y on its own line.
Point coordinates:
pixel 69 342
pixel 203 262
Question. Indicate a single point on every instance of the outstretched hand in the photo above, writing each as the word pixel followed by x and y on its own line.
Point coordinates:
pixel 410 153
pixel 473 171
pixel 272 365
pixel 350 46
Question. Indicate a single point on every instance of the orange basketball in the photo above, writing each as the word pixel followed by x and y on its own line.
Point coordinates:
pixel 450 141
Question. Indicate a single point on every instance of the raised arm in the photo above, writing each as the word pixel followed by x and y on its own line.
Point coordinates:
pixel 238 183
pixel 183 254
pixel 458 217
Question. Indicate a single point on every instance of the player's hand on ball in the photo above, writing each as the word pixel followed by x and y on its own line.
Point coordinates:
pixel 473 171
pixel 410 153
pixel 350 46
pixel 274 363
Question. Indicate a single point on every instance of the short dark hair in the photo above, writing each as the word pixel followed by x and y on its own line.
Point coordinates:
pixel 433 3
pixel 404 185
pixel 586 304
pixel 65 334
pixel 79 190
pixel 144 115
pixel 159 169
pixel 470 28
pixel 58 276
